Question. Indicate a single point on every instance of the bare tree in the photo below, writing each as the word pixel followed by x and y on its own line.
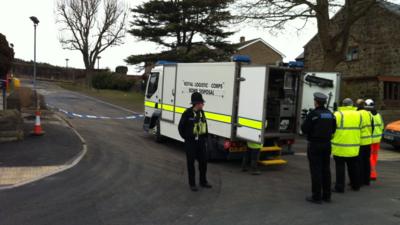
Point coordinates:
pixel 85 30
pixel 334 37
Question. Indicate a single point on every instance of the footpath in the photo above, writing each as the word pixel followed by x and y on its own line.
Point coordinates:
pixel 35 158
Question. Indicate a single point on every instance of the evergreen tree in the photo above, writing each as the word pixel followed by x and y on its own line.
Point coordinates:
pixel 191 30
pixel 6 56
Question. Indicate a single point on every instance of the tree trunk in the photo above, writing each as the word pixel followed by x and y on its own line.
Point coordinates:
pixel 331 60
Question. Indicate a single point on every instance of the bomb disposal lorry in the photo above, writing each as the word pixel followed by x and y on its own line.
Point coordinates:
pixel 256 103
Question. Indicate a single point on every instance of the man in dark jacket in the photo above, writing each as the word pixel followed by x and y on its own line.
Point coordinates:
pixel 193 129
pixel 320 125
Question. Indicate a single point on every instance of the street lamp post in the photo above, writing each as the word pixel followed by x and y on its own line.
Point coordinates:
pixel 98 62
pixel 37 131
pixel 66 63
pixel 35 24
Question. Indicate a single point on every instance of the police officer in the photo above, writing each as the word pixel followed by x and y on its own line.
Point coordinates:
pixel 193 129
pixel 319 125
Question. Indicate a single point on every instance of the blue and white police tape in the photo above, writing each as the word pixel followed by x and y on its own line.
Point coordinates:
pixel 85 116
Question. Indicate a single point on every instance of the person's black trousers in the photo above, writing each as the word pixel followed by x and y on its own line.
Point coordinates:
pixel 319 158
pixel 251 157
pixel 196 150
pixel 353 171
pixel 365 164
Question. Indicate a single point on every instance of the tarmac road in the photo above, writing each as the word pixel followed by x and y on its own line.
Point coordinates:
pixel 127 178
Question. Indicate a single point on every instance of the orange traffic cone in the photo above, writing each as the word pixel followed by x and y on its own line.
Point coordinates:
pixel 37 130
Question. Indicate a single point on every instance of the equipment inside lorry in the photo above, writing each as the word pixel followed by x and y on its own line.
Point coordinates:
pixel 323 82
pixel 240 100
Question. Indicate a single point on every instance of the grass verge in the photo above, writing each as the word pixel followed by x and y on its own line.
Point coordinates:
pixel 130 100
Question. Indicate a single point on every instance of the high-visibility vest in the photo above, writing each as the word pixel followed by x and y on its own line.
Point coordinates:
pixel 378 128
pixel 366 129
pixel 347 138
pixel 200 127
pixel 254 145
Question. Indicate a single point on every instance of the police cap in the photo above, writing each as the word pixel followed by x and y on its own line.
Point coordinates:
pixel 320 97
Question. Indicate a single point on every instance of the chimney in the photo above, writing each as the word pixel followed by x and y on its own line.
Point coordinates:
pixel 242 39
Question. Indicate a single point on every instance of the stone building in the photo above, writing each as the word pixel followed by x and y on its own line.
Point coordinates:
pixel 371 67
pixel 259 51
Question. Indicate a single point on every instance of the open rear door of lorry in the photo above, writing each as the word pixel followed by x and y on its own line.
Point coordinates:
pixel 252 102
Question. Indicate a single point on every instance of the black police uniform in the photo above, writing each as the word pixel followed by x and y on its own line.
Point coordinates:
pixel 320 125
pixel 195 147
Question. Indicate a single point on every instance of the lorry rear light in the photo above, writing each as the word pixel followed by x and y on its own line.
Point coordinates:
pixel 227 144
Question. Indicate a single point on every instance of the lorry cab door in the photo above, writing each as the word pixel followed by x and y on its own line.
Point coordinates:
pixel 252 103
pixel 153 93
pixel 168 93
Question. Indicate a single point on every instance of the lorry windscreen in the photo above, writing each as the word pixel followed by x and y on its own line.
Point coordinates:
pixel 153 84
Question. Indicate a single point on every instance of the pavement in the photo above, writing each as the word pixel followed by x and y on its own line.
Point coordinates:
pixel 127 178
pixel 34 158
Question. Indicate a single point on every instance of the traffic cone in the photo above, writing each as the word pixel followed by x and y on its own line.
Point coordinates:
pixel 37 130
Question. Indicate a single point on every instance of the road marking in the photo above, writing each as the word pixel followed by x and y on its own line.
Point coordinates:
pixel 17 175
pixel 83 116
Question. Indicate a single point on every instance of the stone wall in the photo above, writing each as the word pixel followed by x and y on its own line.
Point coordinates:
pixel 377 36
pixel 261 54
pixel 11 126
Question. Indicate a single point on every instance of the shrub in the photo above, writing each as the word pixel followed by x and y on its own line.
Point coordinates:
pixel 121 70
pixel 106 80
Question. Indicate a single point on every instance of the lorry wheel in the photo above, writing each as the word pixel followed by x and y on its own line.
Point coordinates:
pixel 157 132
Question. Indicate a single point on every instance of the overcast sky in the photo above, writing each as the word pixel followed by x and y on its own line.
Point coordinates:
pixel 16 25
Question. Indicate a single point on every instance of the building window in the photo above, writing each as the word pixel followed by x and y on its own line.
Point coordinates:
pixel 391 91
pixel 352 54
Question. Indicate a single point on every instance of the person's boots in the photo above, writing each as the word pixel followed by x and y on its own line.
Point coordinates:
pixel 244 164
pixel 254 168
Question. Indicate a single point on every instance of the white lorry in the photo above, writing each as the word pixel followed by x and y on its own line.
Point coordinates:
pixel 260 104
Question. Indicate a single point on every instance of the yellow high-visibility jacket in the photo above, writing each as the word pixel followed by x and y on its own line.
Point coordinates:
pixel 378 128
pixel 366 129
pixel 347 138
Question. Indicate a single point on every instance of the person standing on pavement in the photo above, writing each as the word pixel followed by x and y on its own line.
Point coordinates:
pixel 251 157
pixel 319 125
pixel 366 141
pixel 376 136
pixel 346 145
pixel 193 129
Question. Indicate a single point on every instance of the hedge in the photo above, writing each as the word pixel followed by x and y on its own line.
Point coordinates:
pixel 107 80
